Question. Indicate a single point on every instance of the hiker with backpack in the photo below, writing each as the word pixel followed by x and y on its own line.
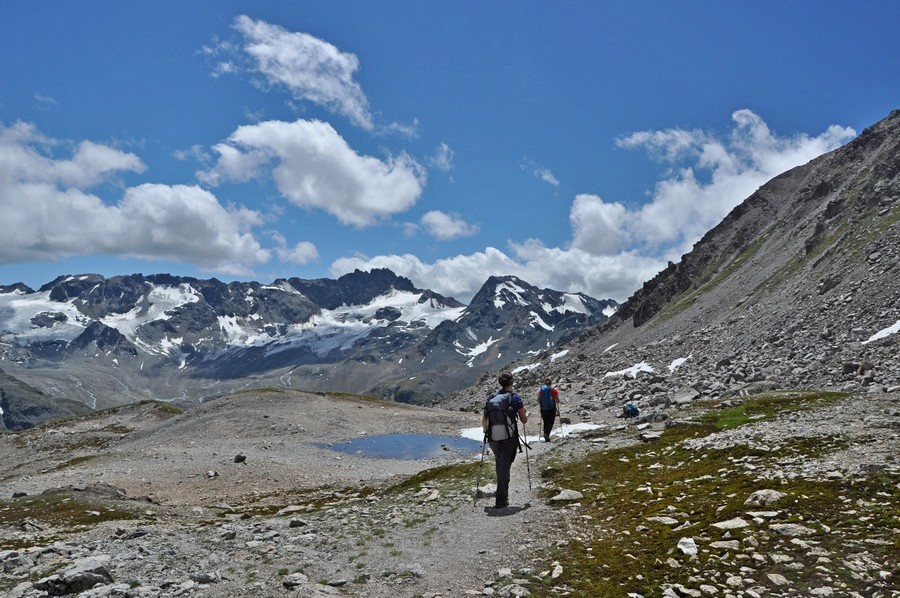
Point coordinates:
pixel 502 412
pixel 548 399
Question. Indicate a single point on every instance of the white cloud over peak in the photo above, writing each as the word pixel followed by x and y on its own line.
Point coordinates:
pixel 309 68
pixel 446 226
pixel 462 276
pixel 48 214
pixel 316 168
pixel 710 177
pixel 598 227
pixel 186 223
pixel 302 253
pixel 616 247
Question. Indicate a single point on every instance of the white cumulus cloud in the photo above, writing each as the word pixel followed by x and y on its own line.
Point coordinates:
pixel 316 168
pixel 710 177
pixel 598 227
pixel 302 253
pixel 446 226
pixel 90 164
pixel 615 247
pixel 311 69
pixel 48 212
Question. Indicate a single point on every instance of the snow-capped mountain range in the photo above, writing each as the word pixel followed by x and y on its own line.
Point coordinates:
pixel 108 341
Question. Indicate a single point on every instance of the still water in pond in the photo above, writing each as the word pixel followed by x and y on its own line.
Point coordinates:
pixel 407 446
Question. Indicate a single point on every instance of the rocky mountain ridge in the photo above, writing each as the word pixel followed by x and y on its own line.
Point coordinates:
pixel 798 287
pixel 109 341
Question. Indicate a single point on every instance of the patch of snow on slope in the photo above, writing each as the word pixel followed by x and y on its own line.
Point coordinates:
pixel 512 288
pixel 477 434
pixel 556 356
pixel 18 309
pixel 678 362
pixel 529 367
pixel 282 285
pixel 536 321
pixel 883 333
pixel 161 300
pixel 236 334
pixel 478 350
pixel 609 310
pixel 342 327
pixel 632 371
pixel 571 304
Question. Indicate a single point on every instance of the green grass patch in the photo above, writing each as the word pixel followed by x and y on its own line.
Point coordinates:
pixel 766 407
pixel 55 512
pixel 73 462
pixel 168 408
pixel 456 475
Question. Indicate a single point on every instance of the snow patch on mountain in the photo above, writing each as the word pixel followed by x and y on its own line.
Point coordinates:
pixel 883 333
pixel 517 294
pixel 161 299
pixel 571 304
pixel 676 363
pixel 537 321
pixel 238 334
pixel 341 328
pixel 529 367
pixel 476 350
pixel 18 312
pixel 282 285
pixel 631 372
pixel 556 356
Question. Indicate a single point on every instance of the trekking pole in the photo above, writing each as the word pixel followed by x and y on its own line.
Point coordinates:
pixel 562 427
pixel 478 477
pixel 527 448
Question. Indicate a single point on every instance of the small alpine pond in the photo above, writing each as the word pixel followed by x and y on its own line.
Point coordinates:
pixel 406 446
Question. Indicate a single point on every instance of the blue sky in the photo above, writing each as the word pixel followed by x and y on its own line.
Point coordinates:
pixel 578 145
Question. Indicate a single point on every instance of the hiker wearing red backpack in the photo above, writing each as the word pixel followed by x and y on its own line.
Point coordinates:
pixel 548 398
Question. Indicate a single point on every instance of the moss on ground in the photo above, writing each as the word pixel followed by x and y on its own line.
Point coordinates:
pixel 457 476
pixel 56 512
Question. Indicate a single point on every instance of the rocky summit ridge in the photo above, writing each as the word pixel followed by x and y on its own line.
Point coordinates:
pixel 110 341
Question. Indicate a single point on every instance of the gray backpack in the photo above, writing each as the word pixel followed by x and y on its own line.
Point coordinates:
pixel 501 417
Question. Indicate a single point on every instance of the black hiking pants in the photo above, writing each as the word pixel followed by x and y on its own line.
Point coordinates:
pixel 504 455
pixel 549 418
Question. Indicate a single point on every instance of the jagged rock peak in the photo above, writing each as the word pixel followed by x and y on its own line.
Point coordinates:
pixel 355 288
pixel 18 287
